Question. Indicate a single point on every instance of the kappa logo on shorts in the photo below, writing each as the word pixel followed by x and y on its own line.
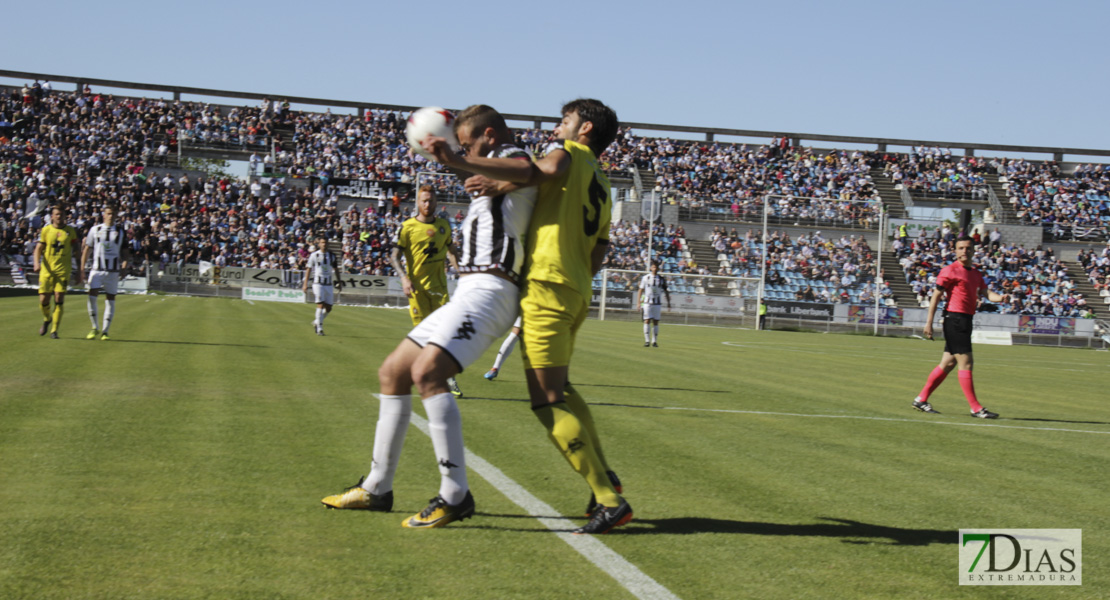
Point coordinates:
pixel 575 445
pixel 466 330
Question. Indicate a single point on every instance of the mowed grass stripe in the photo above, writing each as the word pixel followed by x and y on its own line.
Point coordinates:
pixel 206 458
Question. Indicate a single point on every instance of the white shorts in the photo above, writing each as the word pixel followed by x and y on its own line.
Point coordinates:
pixel 480 311
pixel 324 294
pixel 107 281
pixel 653 311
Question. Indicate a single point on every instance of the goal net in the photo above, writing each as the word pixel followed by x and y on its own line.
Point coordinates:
pixel 695 298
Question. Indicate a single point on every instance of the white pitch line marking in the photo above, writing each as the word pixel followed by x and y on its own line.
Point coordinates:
pixel 887 355
pixel 861 417
pixel 616 566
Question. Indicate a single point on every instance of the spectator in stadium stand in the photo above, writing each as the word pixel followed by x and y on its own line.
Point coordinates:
pixel 963 285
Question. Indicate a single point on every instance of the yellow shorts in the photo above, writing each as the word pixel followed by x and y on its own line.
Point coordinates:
pixel 424 302
pixel 551 314
pixel 52 283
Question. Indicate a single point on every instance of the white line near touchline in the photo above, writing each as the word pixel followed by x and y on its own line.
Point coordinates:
pixel 864 418
pixel 616 566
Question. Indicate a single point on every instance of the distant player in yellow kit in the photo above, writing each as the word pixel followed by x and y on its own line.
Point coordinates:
pixel 53 261
pixel 425 243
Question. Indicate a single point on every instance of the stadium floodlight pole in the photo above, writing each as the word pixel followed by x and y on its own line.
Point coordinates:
pixel 604 289
pixel 878 266
pixel 763 260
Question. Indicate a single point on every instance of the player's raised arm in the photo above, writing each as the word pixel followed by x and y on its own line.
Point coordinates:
pixel 504 169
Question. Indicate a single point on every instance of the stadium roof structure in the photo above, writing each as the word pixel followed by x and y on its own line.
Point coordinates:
pixel 710 133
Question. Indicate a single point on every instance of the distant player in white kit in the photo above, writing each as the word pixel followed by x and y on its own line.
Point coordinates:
pixel 506 349
pixel 451 338
pixel 106 243
pixel 650 298
pixel 323 269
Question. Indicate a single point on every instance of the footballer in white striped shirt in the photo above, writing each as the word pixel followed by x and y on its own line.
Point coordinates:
pixel 106 242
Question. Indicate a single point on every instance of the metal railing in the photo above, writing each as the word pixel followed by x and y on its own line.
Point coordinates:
pixel 996 205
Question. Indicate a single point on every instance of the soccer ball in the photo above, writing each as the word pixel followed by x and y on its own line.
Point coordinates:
pixel 430 120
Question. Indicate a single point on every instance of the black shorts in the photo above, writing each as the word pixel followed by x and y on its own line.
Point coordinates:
pixel 957 333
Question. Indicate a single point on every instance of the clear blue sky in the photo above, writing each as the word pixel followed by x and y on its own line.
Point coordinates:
pixel 1019 72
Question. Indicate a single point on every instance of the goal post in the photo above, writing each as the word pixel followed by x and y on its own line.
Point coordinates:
pixel 813 212
pixel 695 299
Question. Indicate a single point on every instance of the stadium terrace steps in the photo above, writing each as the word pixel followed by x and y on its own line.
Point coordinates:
pixel 1095 303
pixel 705 256
pixel 1009 215
pixel 896 279
pixel 892 199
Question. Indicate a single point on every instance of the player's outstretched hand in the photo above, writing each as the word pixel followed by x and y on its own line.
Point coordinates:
pixel 480 185
pixel 438 147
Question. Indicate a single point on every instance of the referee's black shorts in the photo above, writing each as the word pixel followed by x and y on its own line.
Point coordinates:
pixel 957 333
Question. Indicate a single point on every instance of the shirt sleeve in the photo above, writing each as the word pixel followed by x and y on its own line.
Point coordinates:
pixel 90 238
pixel 399 238
pixel 42 235
pixel 943 281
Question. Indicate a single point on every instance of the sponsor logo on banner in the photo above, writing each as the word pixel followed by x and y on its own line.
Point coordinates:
pixel 866 314
pixel 813 311
pixel 367 189
pixel 191 273
pixel 613 299
pixel 273 295
pixel 1021 557
pixel 1046 325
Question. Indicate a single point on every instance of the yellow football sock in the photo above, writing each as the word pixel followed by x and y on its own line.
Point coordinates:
pixel 566 431
pixel 58 309
pixel 45 311
pixel 582 410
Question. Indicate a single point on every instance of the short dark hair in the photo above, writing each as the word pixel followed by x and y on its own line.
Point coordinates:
pixel 965 238
pixel 603 118
pixel 480 116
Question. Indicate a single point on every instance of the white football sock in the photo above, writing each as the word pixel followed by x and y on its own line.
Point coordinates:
pixel 389 437
pixel 655 334
pixel 647 332
pixel 92 310
pixel 320 316
pixel 109 310
pixel 506 350
pixel 445 425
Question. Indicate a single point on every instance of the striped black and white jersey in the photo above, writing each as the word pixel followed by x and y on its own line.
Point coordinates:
pixel 324 267
pixel 494 228
pixel 106 242
pixel 652 288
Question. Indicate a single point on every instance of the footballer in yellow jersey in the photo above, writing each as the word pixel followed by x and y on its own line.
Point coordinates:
pixel 53 261
pixel 567 240
pixel 425 243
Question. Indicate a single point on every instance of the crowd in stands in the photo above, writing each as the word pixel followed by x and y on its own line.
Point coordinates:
pixel 809 268
pixel 731 180
pixel 1035 280
pixel 88 149
pixel 1096 264
pixel 933 172
pixel 1076 207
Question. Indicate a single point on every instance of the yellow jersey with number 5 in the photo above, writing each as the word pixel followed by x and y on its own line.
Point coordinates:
pixel 572 216
pixel 424 246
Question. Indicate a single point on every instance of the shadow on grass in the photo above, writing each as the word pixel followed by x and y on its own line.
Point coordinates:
pixel 119 341
pixel 652 387
pixel 850 532
pixel 1054 421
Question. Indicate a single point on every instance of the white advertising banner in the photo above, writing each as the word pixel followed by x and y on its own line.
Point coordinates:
pixel 714 305
pixel 273 295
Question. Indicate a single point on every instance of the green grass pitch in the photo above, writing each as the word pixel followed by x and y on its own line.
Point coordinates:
pixel 186 458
